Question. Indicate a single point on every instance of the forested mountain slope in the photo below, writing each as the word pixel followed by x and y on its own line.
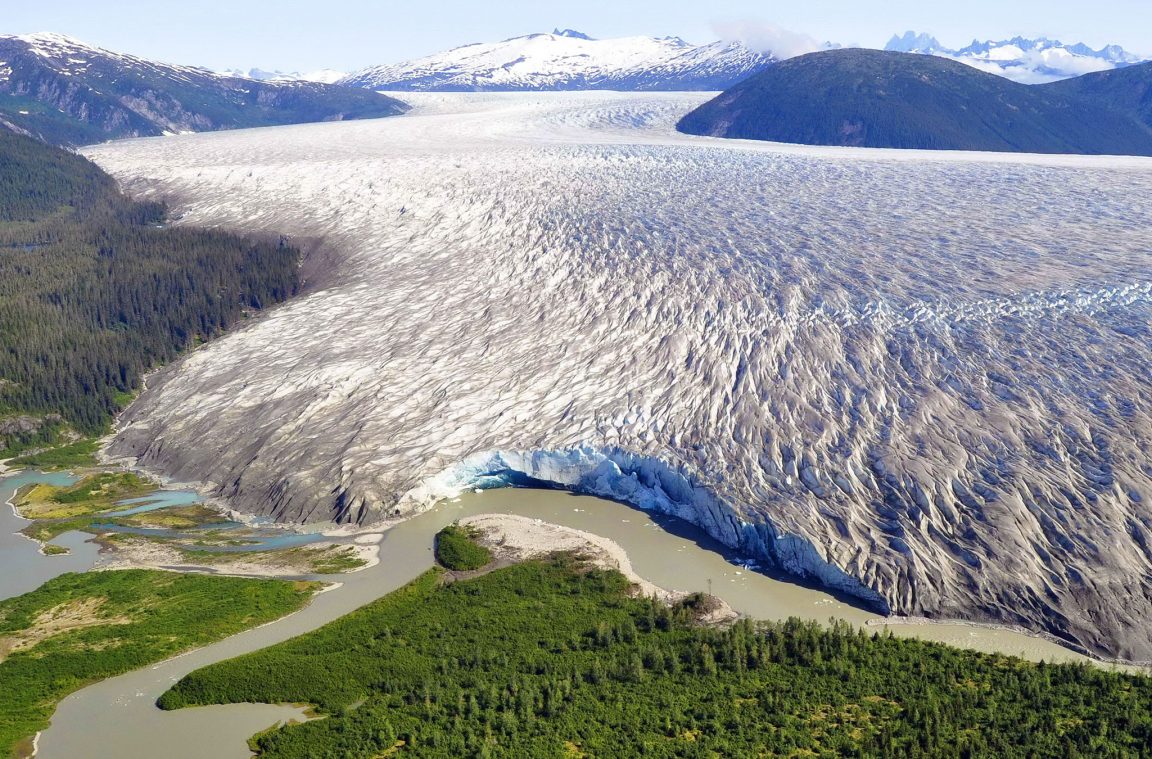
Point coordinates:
pixel 870 98
pixel 69 93
pixel 1128 89
pixel 95 291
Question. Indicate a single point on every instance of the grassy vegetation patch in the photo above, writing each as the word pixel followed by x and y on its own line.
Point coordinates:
pixel 171 518
pixel 551 658
pixel 457 549
pixel 80 628
pixel 48 530
pixel 91 495
pixel 337 559
pixel 71 456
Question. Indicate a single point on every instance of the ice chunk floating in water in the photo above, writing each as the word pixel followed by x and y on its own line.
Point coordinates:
pixel 922 377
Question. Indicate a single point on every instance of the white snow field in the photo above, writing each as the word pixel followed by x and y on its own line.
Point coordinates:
pixel 922 378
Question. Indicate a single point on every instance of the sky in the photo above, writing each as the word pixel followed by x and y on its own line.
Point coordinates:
pixel 303 35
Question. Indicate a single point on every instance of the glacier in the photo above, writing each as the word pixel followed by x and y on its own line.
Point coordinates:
pixel 921 378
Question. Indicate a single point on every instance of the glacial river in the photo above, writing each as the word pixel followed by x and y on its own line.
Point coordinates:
pixel 22 567
pixel 117 717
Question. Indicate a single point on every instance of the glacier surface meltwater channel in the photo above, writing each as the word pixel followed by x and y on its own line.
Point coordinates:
pixel 922 378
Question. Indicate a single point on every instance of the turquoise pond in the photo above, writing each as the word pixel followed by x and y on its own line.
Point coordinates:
pixel 26 568
pixel 162 499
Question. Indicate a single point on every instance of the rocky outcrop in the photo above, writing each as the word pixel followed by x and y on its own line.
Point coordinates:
pixel 21 429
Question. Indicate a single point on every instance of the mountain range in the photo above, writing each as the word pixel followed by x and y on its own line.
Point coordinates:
pixel 69 93
pixel 886 99
pixel 1029 61
pixel 570 60
pixel 323 76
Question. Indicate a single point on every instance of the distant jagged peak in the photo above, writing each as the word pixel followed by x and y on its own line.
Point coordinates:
pixel 1031 60
pixel 921 42
pixel 914 42
pixel 1111 53
pixel 320 76
pixel 1118 54
pixel 571 33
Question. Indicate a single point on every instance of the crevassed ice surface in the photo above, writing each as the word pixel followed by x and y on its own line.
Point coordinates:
pixel 921 377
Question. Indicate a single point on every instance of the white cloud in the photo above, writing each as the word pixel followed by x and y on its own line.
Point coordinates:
pixel 1017 73
pixel 1068 63
pixel 766 38
pixel 1036 67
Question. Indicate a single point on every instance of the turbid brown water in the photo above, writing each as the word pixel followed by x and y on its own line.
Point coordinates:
pixel 117 717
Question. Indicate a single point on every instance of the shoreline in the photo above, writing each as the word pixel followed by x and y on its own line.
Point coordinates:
pixel 142 555
pixel 358 536
pixel 520 538
pixel 326 587
pixel 1141 666
pixel 525 538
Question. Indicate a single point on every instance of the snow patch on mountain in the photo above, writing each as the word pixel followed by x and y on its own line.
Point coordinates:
pixel 322 76
pixel 71 56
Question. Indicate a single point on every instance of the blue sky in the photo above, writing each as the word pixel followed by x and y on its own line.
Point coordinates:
pixel 348 34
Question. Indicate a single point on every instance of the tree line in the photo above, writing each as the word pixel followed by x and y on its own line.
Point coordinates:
pixel 95 290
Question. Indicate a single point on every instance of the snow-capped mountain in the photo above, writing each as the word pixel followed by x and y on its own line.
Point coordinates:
pixel 323 76
pixel 912 42
pixel 570 60
pixel 70 93
pixel 1031 61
